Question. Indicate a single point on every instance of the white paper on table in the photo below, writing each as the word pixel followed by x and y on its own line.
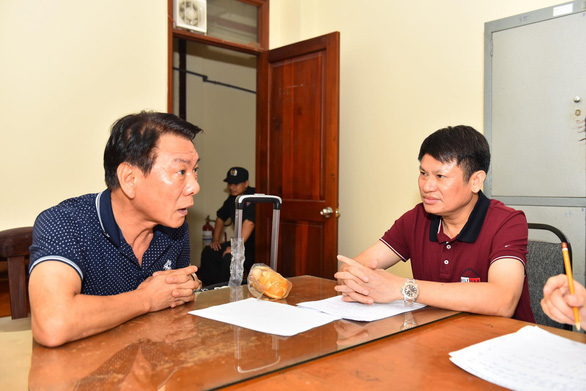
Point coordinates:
pixel 356 311
pixel 530 359
pixel 266 316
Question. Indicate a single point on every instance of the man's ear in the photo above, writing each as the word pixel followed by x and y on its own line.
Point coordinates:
pixel 126 173
pixel 477 180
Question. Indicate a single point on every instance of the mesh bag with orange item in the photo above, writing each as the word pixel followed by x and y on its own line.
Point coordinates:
pixel 262 280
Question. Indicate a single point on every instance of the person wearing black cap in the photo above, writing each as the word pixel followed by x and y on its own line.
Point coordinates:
pixel 216 258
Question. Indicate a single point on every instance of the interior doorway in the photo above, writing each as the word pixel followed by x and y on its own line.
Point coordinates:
pixel 220 97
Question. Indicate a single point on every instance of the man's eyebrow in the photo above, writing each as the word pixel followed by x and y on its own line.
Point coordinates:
pixel 180 160
pixel 436 172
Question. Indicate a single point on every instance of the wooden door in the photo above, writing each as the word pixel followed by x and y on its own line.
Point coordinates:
pixel 297 154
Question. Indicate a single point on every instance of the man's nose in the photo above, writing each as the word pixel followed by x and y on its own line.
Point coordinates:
pixel 192 186
pixel 429 184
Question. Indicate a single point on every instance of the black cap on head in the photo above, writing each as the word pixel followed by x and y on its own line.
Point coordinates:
pixel 236 175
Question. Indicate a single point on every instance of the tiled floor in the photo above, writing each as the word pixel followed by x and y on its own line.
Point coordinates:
pixel 16 344
pixel 15 353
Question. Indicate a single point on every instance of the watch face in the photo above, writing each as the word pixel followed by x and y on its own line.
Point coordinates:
pixel 410 290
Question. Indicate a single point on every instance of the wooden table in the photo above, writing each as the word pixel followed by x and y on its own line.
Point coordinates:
pixel 415 360
pixel 179 351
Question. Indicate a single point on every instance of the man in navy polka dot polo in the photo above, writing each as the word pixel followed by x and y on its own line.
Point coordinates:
pixel 101 259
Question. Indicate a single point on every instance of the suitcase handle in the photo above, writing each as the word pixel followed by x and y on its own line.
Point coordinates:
pixel 260 198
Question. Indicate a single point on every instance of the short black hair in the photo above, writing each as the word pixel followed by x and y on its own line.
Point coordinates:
pixel 462 144
pixel 134 137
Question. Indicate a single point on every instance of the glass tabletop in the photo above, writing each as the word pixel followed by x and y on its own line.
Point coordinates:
pixel 177 350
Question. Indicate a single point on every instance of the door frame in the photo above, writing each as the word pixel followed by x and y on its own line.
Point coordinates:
pixel 172 32
pixel 259 50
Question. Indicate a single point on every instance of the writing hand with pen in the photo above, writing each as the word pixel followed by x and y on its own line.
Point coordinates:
pixel 558 303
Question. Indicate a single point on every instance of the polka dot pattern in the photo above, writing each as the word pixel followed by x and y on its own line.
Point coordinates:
pixel 83 233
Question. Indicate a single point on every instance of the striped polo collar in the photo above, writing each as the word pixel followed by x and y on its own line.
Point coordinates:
pixel 110 228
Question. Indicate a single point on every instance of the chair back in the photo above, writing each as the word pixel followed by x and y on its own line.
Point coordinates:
pixel 14 249
pixel 544 260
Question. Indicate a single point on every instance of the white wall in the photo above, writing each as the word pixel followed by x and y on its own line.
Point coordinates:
pixel 69 69
pixel 407 69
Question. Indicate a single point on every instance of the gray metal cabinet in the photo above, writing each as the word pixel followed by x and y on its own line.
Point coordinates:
pixel 535 110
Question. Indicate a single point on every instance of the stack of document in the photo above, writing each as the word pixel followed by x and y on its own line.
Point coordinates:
pixel 287 320
pixel 361 312
pixel 266 316
pixel 530 359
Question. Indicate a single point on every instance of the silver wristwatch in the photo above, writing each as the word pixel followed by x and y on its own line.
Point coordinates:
pixel 410 291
